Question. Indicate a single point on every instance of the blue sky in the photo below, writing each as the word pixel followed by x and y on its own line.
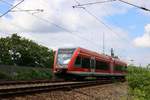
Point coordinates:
pixel 4 6
pixel 131 23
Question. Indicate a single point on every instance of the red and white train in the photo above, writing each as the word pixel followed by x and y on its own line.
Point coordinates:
pixel 79 63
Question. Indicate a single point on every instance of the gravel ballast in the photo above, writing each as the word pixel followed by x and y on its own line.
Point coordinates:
pixel 115 91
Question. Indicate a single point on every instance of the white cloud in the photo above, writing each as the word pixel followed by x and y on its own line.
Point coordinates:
pixel 55 11
pixel 143 41
pixel 86 31
pixel 85 28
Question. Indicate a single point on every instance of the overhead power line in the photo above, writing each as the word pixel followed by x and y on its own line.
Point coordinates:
pixel 92 3
pixel 101 22
pixel 58 26
pixel 11 8
pixel 140 7
pixel 32 11
pixel 98 20
pixel 39 10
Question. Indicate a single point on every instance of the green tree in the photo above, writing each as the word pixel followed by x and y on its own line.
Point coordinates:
pixel 16 50
pixel 5 57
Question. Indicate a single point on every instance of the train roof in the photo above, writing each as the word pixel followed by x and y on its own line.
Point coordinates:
pixel 93 52
pixel 117 60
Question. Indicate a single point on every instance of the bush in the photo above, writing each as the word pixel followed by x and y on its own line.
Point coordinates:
pixel 139 82
pixel 4 76
pixel 24 73
pixel 32 74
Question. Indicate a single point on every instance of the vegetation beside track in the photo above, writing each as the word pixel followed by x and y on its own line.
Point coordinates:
pixel 16 50
pixel 24 73
pixel 139 83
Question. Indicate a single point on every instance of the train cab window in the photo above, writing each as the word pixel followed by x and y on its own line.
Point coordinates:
pixel 102 65
pixel 85 62
pixel 64 56
pixel 78 61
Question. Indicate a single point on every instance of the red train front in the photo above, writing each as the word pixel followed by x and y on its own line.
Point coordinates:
pixel 79 63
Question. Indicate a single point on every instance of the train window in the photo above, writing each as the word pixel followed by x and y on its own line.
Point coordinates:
pixel 78 62
pixel 125 68
pixel 64 56
pixel 102 65
pixel 120 68
pixel 92 63
pixel 85 62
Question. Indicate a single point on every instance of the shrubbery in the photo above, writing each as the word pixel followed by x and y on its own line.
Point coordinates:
pixel 4 76
pixel 24 73
pixel 139 83
pixel 18 51
pixel 32 75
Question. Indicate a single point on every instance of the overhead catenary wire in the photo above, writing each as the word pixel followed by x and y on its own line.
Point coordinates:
pixel 11 8
pixel 12 23
pixel 103 47
pixel 83 7
pixel 102 22
pixel 107 26
pixel 122 37
pixel 98 20
pixel 92 3
pixel 131 4
pixel 140 7
pixel 16 25
pixel 58 26
pixel 41 10
pixel 29 10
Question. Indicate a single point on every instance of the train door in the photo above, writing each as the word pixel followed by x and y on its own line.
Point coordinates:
pixel 111 67
pixel 92 65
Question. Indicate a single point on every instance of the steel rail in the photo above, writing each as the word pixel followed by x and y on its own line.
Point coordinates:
pixel 27 82
pixel 13 90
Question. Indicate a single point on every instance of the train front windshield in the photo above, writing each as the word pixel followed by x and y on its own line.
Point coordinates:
pixel 64 56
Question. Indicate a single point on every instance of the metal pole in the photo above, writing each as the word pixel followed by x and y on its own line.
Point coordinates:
pixel 103 43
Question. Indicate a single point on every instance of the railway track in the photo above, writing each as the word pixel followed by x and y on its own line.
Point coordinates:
pixel 2 83
pixel 33 87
